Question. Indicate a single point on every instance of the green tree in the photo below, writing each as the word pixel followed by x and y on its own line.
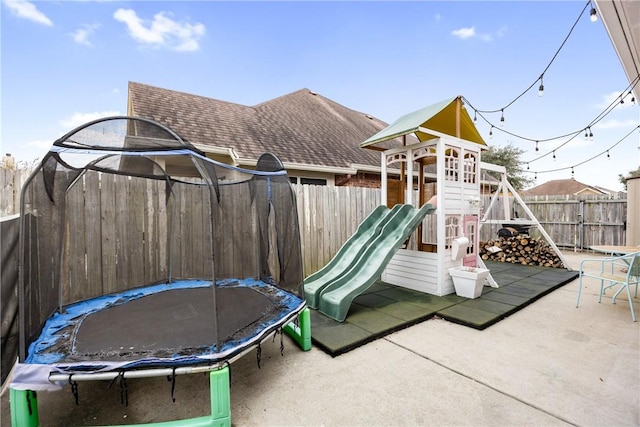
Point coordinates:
pixel 509 157
pixel 632 174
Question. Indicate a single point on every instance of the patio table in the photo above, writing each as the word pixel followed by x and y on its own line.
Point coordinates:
pixel 616 250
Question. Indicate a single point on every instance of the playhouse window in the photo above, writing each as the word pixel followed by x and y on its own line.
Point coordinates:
pixel 469 165
pixel 452 229
pixel 451 164
pixel 470 232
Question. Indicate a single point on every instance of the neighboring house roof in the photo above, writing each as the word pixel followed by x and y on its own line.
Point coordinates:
pixel 563 187
pixel 301 127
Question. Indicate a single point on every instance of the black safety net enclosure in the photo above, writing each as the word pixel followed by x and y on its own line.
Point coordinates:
pixel 137 250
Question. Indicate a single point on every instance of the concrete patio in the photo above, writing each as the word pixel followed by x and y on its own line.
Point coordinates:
pixel 548 364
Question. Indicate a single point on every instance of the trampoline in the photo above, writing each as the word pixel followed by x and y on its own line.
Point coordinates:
pixel 140 257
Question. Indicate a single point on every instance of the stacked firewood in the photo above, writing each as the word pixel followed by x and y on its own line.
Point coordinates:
pixel 520 249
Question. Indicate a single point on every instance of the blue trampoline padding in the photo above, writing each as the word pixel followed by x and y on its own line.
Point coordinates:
pixel 62 327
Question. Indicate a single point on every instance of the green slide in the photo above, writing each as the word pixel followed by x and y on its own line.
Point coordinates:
pixel 342 261
pixel 336 297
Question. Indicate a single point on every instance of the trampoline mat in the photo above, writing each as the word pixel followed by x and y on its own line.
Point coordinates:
pixel 164 327
pixel 175 319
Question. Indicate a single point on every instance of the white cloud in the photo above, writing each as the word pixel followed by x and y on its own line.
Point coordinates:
pixel 470 32
pixel 162 31
pixel 614 98
pixel 81 35
pixel 27 10
pixel 464 33
pixel 616 124
pixel 78 119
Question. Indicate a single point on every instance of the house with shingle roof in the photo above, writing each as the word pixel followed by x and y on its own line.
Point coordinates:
pixel 316 138
pixel 566 187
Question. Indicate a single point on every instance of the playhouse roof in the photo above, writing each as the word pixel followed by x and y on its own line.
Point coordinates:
pixel 448 117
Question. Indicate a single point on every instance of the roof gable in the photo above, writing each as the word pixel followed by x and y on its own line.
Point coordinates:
pixel 447 117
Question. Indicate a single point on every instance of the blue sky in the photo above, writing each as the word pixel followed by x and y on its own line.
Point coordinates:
pixel 64 63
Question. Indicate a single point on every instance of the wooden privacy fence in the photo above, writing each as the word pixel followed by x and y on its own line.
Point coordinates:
pixel 328 216
pixel 571 221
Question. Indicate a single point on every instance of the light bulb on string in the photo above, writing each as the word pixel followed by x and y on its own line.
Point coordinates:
pixel 590 135
pixel 572 176
pixel 608 155
pixel 537 149
pixel 502 118
pixel 586 135
pixel 593 14
pixel 535 176
pixel 554 155
pixel 527 166
pixel 475 115
pixel 491 132
pixel 541 87
pixel 633 100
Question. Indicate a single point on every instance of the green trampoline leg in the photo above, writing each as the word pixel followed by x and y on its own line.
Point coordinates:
pixel 24 408
pixel 220 397
pixel 220 405
pixel 301 334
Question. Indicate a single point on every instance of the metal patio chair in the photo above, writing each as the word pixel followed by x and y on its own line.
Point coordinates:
pixel 609 277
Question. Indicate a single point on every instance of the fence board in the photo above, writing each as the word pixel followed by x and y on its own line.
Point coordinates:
pixel 75 283
pixel 136 211
pixel 151 232
pixel 108 230
pixel 93 230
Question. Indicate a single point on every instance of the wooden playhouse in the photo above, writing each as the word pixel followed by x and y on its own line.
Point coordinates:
pixel 437 152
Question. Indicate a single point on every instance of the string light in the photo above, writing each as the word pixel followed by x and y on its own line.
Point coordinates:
pixel 555 55
pixel 607 152
pixel 608 110
pixel 541 87
pixel 572 176
pixel 588 133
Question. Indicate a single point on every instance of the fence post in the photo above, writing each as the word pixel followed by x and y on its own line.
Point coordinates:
pixel 581 225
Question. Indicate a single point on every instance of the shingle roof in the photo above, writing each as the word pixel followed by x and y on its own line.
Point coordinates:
pixel 300 127
pixel 562 187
